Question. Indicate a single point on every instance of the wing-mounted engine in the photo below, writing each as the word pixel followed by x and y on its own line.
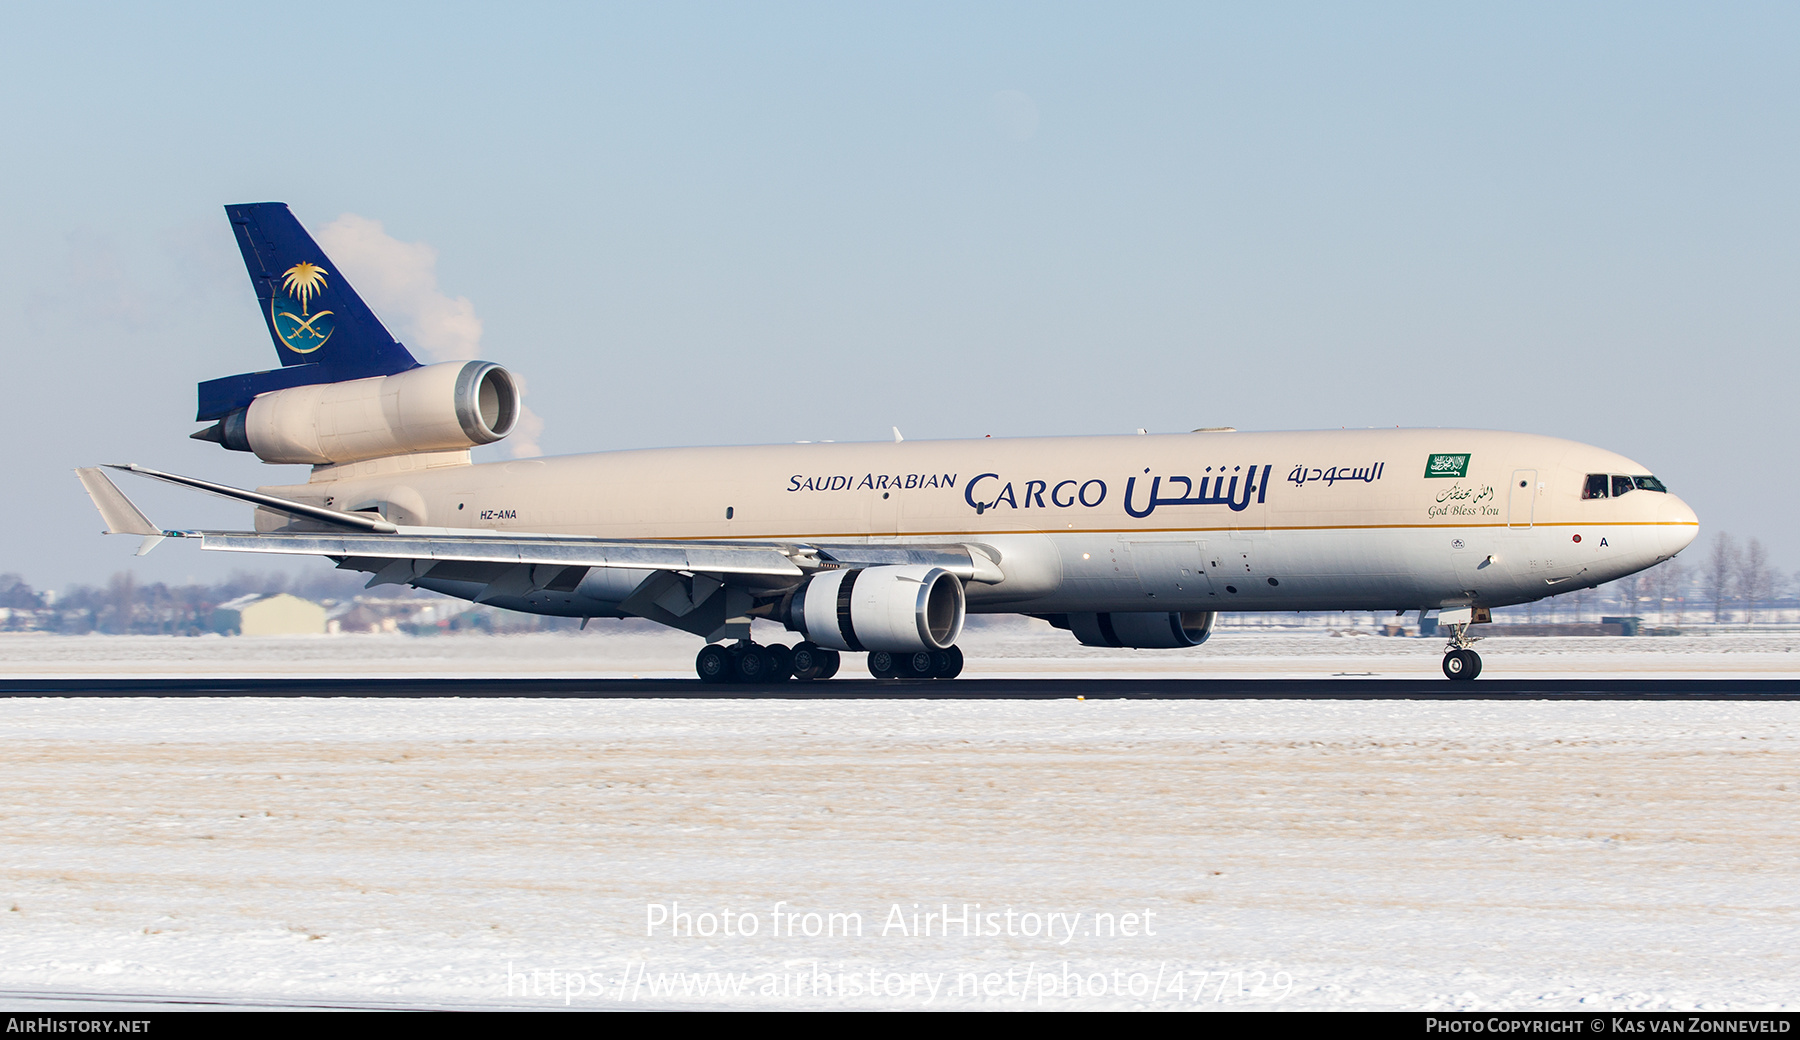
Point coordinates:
pixel 443 407
pixel 902 609
pixel 1138 630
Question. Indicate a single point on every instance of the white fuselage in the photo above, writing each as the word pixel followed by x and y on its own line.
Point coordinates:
pixel 1190 522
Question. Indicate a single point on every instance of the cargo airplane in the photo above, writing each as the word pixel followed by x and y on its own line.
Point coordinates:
pixel 881 548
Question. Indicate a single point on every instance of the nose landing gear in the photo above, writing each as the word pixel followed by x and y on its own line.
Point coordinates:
pixel 1461 662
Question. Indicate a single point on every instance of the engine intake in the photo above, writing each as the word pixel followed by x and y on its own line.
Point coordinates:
pixel 1140 630
pixel 457 404
pixel 901 609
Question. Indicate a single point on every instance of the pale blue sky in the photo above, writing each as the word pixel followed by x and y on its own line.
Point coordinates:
pixel 729 224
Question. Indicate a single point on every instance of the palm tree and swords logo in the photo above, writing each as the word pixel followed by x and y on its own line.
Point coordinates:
pixel 304 332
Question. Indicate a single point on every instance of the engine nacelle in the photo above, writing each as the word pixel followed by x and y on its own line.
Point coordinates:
pixel 901 609
pixel 457 404
pixel 1142 631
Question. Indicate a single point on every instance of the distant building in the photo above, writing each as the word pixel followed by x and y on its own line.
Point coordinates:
pixel 359 618
pixel 277 615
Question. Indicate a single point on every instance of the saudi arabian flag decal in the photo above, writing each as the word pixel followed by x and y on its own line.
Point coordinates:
pixel 1447 466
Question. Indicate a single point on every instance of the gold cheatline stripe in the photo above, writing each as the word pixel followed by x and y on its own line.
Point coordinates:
pixel 1145 530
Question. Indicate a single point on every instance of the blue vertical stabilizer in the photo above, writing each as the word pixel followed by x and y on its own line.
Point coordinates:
pixel 323 332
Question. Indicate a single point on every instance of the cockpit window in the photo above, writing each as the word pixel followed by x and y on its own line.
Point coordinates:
pixel 1612 485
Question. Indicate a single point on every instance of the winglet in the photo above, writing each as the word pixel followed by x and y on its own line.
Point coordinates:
pixel 122 516
pixel 302 510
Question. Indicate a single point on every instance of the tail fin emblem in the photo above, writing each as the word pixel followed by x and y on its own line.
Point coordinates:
pixel 304 332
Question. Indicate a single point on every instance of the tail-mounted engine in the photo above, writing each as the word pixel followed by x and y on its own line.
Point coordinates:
pixel 1137 630
pixel 901 609
pixel 444 407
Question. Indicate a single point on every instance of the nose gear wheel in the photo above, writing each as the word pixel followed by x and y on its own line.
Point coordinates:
pixel 1462 665
pixel 1461 662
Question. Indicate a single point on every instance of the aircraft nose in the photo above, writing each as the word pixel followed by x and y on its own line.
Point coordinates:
pixel 1680 526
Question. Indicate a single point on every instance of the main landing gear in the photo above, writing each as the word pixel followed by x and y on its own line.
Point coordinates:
pixel 750 663
pixel 1461 662
pixel 747 662
pixel 925 664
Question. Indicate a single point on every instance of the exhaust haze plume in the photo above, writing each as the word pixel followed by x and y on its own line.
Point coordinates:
pixel 399 280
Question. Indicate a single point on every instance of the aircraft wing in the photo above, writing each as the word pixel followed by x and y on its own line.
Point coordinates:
pixel 443 546
pixel 399 554
pixel 508 563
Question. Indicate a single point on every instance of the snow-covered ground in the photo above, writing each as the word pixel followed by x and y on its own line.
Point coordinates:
pixel 1247 854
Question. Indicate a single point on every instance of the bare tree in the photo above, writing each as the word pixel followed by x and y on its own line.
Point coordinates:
pixel 1720 574
pixel 1629 590
pixel 16 594
pixel 121 602
pixel 1755 578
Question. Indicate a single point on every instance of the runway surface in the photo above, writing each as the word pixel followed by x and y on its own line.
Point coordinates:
pixel 1338 688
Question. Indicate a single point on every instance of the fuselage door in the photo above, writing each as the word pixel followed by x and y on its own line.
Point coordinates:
pixel 1173 573
pixel 1521 498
